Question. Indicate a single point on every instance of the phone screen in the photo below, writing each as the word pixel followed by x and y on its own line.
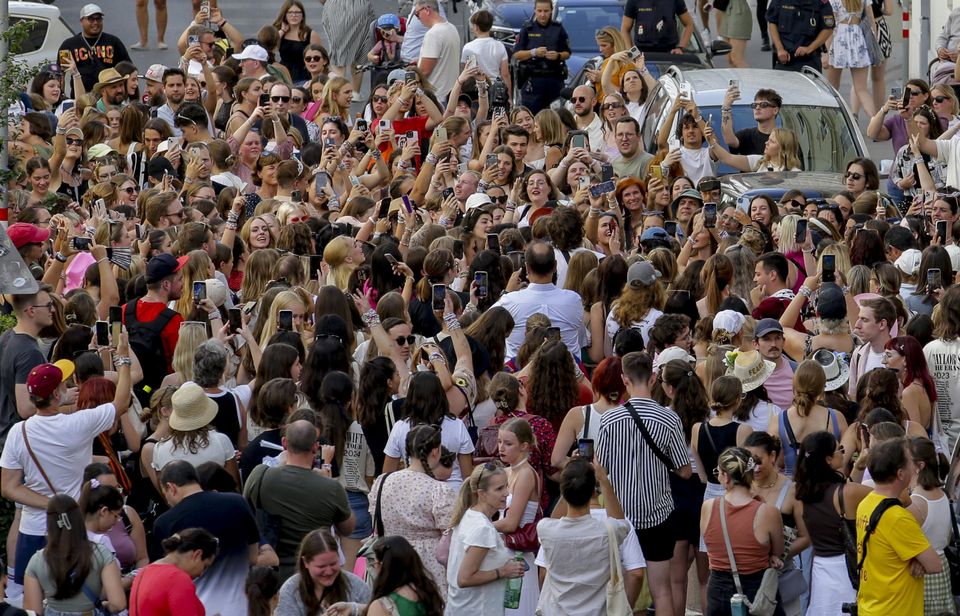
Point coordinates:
pixel 709 215
pixel 493 242
pixel 103 333
pixel 578 141
pixel 482 280
pixel 553 334
pixel 264 99
pixel 235 321
pixel 438 294
pixel 585 448
pixel 199 290
pixel 934 281
pixel 942 231
pixel 407 204
pixel 829 268
pixel 606 172
pixel 801 236
pixel 285 320
pixel 315 261
pixel 384 208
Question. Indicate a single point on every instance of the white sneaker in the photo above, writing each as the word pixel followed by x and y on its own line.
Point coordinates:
pixel 357 97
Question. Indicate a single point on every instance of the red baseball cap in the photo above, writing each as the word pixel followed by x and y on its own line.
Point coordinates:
pixel 45 378
pixel 23 233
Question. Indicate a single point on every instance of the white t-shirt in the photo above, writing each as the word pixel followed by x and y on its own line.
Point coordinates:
pixel 453 436
pixel 631 556
pixel 943 361
pixel 475 529
pixel 64 446
pixel 949 152
pixel 442 42
pixel 489 52
pixel 643 325
pixel 219 449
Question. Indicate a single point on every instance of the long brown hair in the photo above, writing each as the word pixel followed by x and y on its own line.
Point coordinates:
pixel 316 542
pixel 68 553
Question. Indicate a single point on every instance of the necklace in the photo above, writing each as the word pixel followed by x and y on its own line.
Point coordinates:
pixel 770 485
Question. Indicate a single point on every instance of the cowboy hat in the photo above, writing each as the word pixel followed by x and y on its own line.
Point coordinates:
pixel 751 368
pixel 107 77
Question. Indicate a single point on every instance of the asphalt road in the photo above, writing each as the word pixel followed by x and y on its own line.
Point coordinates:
pixel 249 15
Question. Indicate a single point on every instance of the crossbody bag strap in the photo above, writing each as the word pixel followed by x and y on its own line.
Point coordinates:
pixel 791 437
pixel 722 505
pixel 587 412
pixel 882 508
pixel 377 518
pixel 33 456
pixel 613 553
pixel 649 439
pixel 705 428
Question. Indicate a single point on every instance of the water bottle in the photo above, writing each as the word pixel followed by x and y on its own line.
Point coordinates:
pixel 511 597
pixel 738 605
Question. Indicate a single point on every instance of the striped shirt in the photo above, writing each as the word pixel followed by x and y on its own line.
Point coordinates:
pixel 640 480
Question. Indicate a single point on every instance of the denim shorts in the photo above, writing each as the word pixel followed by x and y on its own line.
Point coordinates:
pixel 360 505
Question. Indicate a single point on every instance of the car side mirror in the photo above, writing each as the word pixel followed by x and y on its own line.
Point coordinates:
pixel 720 48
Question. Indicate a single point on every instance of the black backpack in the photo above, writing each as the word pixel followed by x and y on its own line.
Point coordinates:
pixel 146 343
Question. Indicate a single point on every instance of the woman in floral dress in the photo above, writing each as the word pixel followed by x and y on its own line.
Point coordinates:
pixel 848 49
pixel 415 505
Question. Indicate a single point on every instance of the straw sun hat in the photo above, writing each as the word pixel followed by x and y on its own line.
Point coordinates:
pixel 750 367
pixel 192 409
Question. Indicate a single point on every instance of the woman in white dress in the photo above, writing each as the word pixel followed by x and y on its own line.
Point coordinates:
pixel 848 49
pixel 781 153
pixel 514 442
pixel 479 564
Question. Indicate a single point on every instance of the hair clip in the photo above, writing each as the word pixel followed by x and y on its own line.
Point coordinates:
pixel 751 464
pixel 94 483
pixel 64 522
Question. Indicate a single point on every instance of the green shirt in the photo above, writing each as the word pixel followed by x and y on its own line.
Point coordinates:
pixel 37 568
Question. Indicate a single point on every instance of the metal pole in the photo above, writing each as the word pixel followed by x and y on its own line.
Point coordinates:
pixel 925 42
pixel 4 132
pixel 905 66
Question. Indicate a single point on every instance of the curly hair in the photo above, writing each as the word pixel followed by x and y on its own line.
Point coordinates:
pixel 882 391
pixel 552 387
pixel 635 302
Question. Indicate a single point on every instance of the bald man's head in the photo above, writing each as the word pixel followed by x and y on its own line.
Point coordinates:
pixel 300 437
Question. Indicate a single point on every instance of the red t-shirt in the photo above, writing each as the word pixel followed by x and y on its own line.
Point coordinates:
pixel 148 311
pixel 164 590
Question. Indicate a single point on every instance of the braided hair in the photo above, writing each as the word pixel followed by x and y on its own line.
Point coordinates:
pixel 421 441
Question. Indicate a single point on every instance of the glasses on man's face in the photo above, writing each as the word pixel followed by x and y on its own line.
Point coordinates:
pixel 280 99
pixel 73 141
pixel 402 340
pixel 794 203
pixel 762 105
pixel 95 18
pixel 49 305
pixel 380 99
pixel 850 175
pixel 501 199
pixel 177 214
pixel 313 58
pixel 580 99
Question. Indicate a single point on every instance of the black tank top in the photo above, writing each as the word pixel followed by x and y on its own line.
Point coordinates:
pixel 291 56
pixel 823 523
pixel 227 420
pixel 710 446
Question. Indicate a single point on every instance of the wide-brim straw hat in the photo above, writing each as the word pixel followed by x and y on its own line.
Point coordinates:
pixel 752 369
pixel 192 409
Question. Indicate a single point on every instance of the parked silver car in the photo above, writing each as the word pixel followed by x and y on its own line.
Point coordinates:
pixel 826 131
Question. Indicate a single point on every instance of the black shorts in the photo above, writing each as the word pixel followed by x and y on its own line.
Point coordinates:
pixel 687 501
pixel 657 542
pixel 720 5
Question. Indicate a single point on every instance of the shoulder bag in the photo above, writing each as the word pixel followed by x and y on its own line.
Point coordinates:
pixel 33 456
pixel 765 601
pixel 366 550
pixel 618 604
pixel 952 552
pixel 268 524
pixel 649 439
pixel 525 538
pixel 849 543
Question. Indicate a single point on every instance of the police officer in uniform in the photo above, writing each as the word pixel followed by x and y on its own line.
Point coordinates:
pixel 542 48
pixel 652 25
pixel 798 29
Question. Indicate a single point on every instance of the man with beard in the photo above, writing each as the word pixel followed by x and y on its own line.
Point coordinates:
pixel 174 89
pixel 112 88
pixel 93 49
pixel 584 100
pixel 633 161
pixel 153 328
pixel 768 340
pixel 153 79
pixel 542 49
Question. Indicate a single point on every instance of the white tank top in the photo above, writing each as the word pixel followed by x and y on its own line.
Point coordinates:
pixel 937 526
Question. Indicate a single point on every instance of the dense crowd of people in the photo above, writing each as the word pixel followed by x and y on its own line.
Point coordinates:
pixel 294 352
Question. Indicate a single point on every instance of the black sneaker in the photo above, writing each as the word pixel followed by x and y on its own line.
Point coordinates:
pixel 765 46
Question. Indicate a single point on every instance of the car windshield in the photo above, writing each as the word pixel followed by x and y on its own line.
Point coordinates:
pixel 585 21
pixel 825 140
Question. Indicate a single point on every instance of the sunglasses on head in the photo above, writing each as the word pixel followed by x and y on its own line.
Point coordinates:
pixel 853 176
pixel 401 340
pixel 280 99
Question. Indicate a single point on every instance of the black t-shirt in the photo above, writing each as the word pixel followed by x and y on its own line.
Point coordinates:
pixel 655 23
pixel 268 443
pixel 94 55
pixel 9 610
pixel 752 141
pixel 225 516
pixel 20 355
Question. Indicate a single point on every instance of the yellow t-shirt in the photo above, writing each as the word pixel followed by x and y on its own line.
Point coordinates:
pixel 886 586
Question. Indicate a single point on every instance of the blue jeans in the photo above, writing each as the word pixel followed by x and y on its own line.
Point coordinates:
pixel 360 505
pixel 27 546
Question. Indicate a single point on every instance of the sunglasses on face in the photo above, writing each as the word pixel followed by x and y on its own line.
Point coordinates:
pixel 853 176
pixel 501 199
pixel 280 99
pixel 939 99
pixel 401 340
pixel 130 190
pixel 579 99
pixel 794 203
pixel 313 58
pixel 380 99
pixel 296 99
pixel 762 105
pixel 95 18
pixel 71 141
pixel 914 92
pixel 606 106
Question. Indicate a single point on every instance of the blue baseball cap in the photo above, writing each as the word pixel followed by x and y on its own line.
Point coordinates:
pixel 389 21
pixel 654 233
